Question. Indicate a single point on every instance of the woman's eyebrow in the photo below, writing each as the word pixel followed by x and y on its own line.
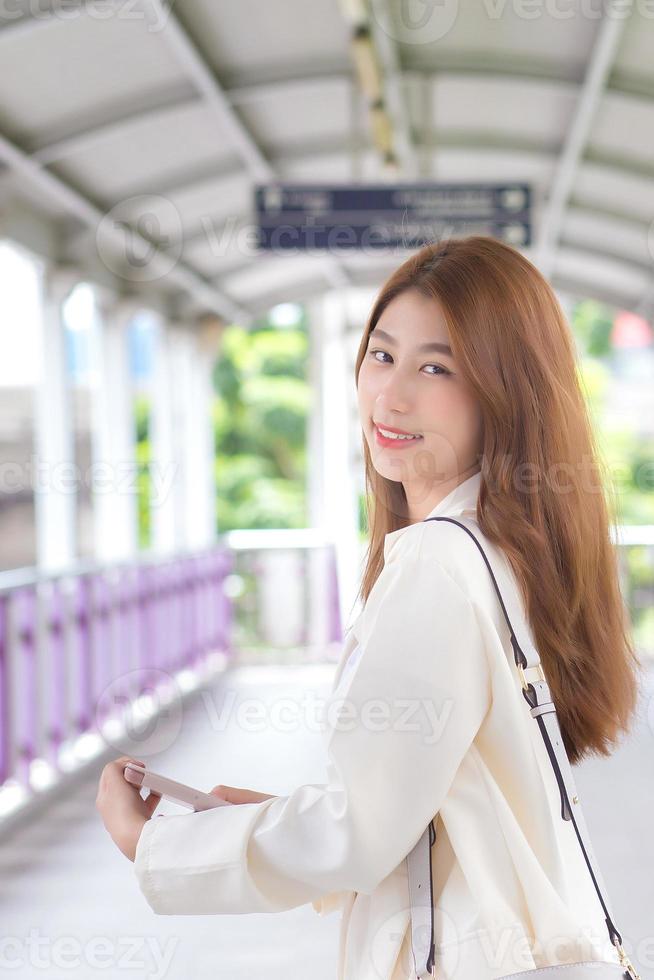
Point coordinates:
pixel 434 345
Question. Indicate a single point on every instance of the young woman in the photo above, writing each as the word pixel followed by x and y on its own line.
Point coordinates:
pixel 470 405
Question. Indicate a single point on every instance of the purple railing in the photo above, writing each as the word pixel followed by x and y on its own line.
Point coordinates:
pixel 4 694
pixel 55 655
pixel 335 624
pixel 291 592
pixel 77 649
pixel 22 608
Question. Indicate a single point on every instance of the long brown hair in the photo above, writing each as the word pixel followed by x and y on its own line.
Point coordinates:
pixel 514 348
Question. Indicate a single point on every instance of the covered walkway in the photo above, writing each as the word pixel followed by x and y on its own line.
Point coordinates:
pixel 143 144
pixel 65 883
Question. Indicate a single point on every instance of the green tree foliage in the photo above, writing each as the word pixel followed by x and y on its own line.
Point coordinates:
pixel 260 419
pixel 143 459
pixel 593 323
pixel 627 455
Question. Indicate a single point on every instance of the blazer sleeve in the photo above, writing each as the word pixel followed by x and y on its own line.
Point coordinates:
pixel 394 742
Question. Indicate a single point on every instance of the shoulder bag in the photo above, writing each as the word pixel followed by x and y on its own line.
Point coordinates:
pixel 537 695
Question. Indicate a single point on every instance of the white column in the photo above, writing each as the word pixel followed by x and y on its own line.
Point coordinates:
pixel 55 491
pixel 194 354
pixel 318 624
pixel 114 436
pixel 165 467
pixel 177 337
pixel 334 498
pixel 315 428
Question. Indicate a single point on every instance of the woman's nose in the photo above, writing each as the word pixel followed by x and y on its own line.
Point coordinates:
pixel 396 394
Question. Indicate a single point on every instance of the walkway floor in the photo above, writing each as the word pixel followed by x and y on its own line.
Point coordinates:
pixel 70 906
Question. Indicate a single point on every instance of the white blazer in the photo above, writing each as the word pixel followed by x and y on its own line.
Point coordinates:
pixel 432 723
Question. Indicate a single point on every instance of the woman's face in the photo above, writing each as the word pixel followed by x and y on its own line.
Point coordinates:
pixel 403 385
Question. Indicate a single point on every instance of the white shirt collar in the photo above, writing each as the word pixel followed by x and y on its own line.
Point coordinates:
pixel 460 501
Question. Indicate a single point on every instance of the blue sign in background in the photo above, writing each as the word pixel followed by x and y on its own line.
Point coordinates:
pixel 301 217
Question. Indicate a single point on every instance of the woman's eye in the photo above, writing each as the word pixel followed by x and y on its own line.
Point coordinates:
pixel 373 352
pixel 439 369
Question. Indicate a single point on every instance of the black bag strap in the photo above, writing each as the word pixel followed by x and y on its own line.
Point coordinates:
pixel 537 695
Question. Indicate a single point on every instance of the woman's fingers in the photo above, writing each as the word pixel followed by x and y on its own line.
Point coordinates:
pixel 234 794
pixel 151 802
pixel 228 793
pixel 128 758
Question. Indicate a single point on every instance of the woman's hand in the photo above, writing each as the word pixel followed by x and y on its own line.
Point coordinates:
pixel 235 795
pixel 124 812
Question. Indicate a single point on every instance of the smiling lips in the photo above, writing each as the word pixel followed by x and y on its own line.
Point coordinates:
pixel 400 439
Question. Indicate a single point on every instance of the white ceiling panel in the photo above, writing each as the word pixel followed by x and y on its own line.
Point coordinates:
pixel 102 103
pixel 69 65
pixel 270 273
pixel 318 108
pixel 337 167
pixel 631 240
pixel 249 36
pixel 637 45
pixel 624 126
pixel 491 164
pixel 146 152
pixel 586 267
pixel 214 256
pixel 492 32
pixel 531 110
pixel 213 202
pixel 600 186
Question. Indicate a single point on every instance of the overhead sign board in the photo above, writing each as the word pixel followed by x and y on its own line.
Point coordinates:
pixel 304 217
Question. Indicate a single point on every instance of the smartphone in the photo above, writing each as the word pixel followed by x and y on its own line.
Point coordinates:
pixel 186 796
